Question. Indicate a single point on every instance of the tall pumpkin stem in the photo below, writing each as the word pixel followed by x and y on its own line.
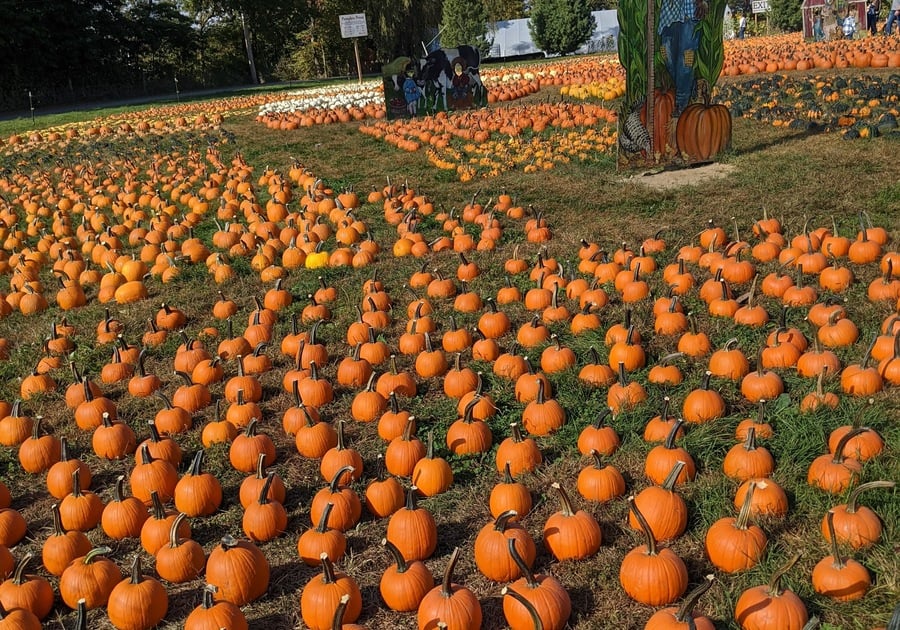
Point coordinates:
pixel 835 551
pixel 447 583
pixel 327 569
pixel 567 509
pixel 673 432
pixel 687 606
pixel 532 611
pixel 338 621
pixel 173 530
pixel 672 477
pixel 520 562
pixel 399 560
pixel 849 435
pixel 744 515
pixel 322 526
pixel 854 495
pixel 645 527
pixel 775 581
pixel 334 484
pixel 18 577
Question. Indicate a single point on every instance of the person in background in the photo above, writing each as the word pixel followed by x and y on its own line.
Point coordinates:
pixel 871 15
pixel 818 28
pixel 742 26
pixel 893 16
pixel 849 24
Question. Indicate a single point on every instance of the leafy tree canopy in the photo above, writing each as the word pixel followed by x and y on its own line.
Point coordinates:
pixel 560 26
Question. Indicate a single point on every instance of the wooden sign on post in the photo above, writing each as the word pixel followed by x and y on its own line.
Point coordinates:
pixel 354 26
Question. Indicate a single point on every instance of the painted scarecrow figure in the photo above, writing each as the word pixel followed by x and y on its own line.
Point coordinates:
pixel 680 38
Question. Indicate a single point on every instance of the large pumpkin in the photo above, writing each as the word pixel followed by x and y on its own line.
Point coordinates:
pixel 703 130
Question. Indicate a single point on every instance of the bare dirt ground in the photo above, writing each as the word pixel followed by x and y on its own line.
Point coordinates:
pixel 668 180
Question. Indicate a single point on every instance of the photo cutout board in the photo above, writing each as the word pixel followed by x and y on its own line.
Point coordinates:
pixel 447 79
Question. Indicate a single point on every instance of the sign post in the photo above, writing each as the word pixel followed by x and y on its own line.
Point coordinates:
pixel 353 26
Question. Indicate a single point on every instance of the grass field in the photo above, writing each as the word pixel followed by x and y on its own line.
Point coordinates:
pixel 805 179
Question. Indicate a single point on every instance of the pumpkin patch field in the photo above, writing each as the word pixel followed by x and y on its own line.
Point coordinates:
pixel 275 361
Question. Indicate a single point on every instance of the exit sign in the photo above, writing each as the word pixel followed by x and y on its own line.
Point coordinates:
pixel 760 6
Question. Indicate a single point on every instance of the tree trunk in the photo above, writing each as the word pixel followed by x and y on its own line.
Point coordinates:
pixel 248 42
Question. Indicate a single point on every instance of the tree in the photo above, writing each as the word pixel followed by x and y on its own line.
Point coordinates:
pixel 560 26
pixel 500 10
pixel 786 14
pixel 464 23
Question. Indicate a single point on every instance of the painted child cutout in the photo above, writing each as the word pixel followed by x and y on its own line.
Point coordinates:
pixel 412 93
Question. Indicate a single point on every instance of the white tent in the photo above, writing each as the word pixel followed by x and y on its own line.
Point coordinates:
pixel 512 38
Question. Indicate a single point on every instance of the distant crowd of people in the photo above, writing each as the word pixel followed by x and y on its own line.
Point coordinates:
pixel 848 23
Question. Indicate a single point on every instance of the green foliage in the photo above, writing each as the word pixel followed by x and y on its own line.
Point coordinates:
pixel 464 22
pixel 786 14
pixel 711 53
pixel 499 10
pixel 560 26
pixel 633 48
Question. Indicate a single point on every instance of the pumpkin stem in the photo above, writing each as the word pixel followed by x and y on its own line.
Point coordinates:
pixel 595 357
pixel 264 491
pixel 704 385
pixel 338 621
pixel 672 477
pixel 687 606
pixel 328 576
pixel 507 474
pixel 173 530
pixel 119 489
pixel 412 503
pixel 868 354
pixel 81 620
pixel 812 624
pixel 664 414
pixel 334 484
pixel 854 495
pixel 503 519
pixel 340 436
pixel 76 482
pixel 623 379
pixel 96 552
pixel 186 378
pixel 673 432
pixel 744 515
pixel 208 591
pixel 86 384
pixel 645 527
pixel 750 442
pixel 448 573
pixel 598 459
pixel 820 393
pixel 429 453
pixel 775 581
pixel 540 391
pixel 521 599
pixel 157 509
pixel 19 574
pixel 838 561
pixel 567 509
pixel 849 435
pixel 196 467
pixel 519 560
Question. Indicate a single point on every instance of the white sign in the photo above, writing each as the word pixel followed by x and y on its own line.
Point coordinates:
pixel 760 6
pixel 354 25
